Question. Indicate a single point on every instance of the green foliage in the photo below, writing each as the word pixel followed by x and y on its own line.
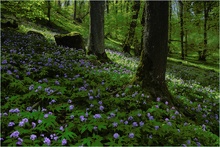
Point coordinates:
pixel 24 9
pixel 64 86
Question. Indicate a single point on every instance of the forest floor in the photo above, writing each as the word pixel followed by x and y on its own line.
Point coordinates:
pixel 51 94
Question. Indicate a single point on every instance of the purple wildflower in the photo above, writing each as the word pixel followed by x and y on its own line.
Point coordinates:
pixel 151 117
pixel 57 82
pixel 71 116
pixel 141 123
pixel 71 107
pixel 95 128
pixel 101 108
pixel 116 135
pixel 21 123
pixel 115 124
pixel 69 101
pixel 4 62
pixel 15 134
pixel 158 99
pixel 61 128
pixel 100 102
pixel 33 124
pixel 97 116
pixel 82 118
pixel 130 118
pixel 29 108
pixel 112 114
pixel 46 115
pixel 11 124
pixel 64 142
pixel 91 97
pixel 9 72
pixel 31 87
pixel 131 135
pixel 19 142
pixel 33 137
pixel 188 142
pixel 169 123
pixel 156 127
pixel 47 141
pixel 135 124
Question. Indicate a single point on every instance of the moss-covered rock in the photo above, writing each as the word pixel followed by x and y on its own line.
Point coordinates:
pixel 71 40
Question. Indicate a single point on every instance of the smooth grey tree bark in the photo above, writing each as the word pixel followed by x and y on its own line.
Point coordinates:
pixel 96 31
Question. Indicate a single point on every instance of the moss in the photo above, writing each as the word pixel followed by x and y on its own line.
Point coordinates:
pixel 69 34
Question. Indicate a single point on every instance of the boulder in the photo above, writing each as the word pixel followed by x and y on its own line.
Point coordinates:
pixel 71 40
pixel 36 35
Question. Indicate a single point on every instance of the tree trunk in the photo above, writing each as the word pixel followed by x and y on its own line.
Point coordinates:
pixel 74 13
pixel 150 74
pixel 133 24
pixel 107 5
pixel 59 4
pixel 142 31
pixel 116 6
pixel 170 26
pixel 81 8
pixel 48 13
pixel 202 55
pixel 182 29
pixel 67 3
pixel 96 34
pixel 186 42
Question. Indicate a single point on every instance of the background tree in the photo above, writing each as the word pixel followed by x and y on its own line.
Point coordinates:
pixel 152 67
pixel 181 29
pixel 107 5
pixel 48 12
pixel 96 32
pixel 59 3
pixel 170 26
pixel 67 3
pixel 130 36
pixel 207 6
pixel 74 12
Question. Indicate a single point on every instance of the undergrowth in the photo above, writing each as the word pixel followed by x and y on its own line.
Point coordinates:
pixel 55 96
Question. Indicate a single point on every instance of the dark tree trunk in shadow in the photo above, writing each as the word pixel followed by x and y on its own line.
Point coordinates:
pixel 96 34
pixel 48 13
pixel 182 29
pixel 150 74
pixel 170 27
pixel 202 54
pixel 74 12
pixel 151 70
pixel 186 42
pixel 129 38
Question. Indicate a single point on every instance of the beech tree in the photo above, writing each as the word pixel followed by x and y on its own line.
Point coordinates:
pixel 96 31
pixel 150 74
pixel 133 24
pixel 182 29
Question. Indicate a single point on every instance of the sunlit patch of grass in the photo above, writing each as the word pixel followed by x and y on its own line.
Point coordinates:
pixel 187 63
